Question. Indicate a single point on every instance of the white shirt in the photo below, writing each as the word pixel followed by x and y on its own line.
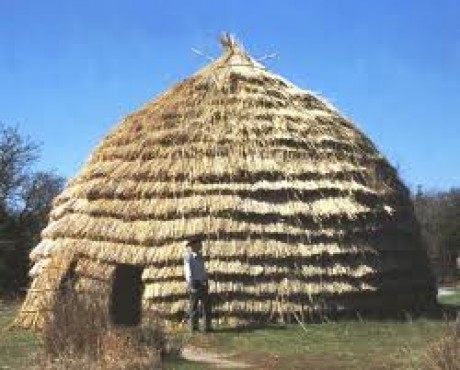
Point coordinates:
pixel 194 267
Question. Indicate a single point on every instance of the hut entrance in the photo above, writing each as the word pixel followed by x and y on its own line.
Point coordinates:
pixel 126 299
pixel 67 282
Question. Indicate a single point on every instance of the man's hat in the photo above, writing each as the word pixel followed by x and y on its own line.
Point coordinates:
pixel 194 240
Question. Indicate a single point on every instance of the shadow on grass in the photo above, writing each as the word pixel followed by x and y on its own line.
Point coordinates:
pixel 441 312
pixel 248 328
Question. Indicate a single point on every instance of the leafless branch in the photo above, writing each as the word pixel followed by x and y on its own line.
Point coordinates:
pixel 200 53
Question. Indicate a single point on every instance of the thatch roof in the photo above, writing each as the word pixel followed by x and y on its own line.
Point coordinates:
pixel 295 204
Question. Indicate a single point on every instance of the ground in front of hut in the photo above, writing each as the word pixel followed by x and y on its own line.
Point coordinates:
pixel 17 347
pixel 332 345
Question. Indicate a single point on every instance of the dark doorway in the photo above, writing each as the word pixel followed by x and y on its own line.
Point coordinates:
pixel 67 282
pixel 126 300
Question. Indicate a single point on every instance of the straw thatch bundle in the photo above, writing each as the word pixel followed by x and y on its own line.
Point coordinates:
pixel 298 209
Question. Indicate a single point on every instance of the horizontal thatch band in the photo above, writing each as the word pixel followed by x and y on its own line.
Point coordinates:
pixel 99 188
pixel 225 206
pixel 267 285
pixel 281 152
pixel 199 169
pixel 247 308
pixel 181 133
pixel 155 232
pixel 107 251
pixel 293 286
pixel 272 269
pixel 248 131
pixel 262 241
pixel 228 180
pixel 279 268
pixel 235 291
pixel 282 146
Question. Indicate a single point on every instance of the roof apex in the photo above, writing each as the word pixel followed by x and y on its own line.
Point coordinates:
pixel 231 44
pixel 235 55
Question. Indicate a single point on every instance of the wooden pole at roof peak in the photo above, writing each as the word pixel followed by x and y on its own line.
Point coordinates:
pixel 230 44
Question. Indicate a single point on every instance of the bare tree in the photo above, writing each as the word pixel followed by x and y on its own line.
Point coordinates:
pixel 17 154
pixel 25 201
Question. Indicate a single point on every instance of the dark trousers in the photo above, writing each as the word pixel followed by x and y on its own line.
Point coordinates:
pixel 200 305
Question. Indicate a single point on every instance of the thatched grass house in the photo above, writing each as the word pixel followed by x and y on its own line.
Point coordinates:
pixel 298 209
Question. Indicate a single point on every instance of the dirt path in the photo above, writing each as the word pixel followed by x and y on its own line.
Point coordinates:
pixel 216 360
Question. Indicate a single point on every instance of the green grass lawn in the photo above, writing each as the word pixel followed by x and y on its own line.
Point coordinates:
pixel 452 299
pixel 17 347
pixel 333 345
pixel 339 345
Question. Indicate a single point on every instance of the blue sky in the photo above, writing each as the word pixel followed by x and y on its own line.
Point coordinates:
pixel 70 70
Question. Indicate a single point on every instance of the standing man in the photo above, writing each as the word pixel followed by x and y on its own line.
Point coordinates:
pixel 197 284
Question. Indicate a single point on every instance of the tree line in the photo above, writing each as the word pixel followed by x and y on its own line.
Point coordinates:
pixel 25 201
pixel 438 214
pixel 26 198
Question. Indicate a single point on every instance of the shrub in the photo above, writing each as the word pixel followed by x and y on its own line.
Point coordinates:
pixel 75 326
pixel 78 335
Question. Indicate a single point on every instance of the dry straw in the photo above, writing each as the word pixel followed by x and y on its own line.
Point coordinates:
pixel 292 200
